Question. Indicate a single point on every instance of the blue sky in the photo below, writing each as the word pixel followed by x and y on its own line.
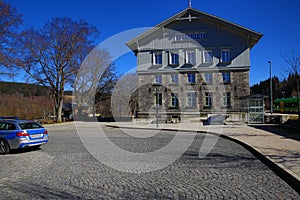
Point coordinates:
pixel 278 20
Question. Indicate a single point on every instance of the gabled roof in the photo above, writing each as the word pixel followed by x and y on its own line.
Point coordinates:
pixel 188 14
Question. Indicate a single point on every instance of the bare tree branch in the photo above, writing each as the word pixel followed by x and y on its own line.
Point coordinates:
pixel 50 55
pixel 9 22
pixel 293 60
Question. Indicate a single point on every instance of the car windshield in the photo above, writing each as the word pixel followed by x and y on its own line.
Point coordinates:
pixel 30 125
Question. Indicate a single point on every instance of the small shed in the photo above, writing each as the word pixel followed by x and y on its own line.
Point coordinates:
pixel 253 105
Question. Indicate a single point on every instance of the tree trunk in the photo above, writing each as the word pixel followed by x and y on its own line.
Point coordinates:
pixel 59 111
pixel 58 108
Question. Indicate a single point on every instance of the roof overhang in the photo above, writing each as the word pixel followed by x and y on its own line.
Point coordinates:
pixel 188 14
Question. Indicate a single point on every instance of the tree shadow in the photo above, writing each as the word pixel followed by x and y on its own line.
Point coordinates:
pixel 42 191
pixel 292 155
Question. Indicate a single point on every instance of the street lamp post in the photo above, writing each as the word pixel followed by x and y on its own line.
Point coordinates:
pixel 298 106
pixel 271 88
pixel 157 90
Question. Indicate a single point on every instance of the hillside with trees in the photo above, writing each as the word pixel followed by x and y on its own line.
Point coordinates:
pixel 24 89
pixel 281 88
pixel 51 56
pixel 27 101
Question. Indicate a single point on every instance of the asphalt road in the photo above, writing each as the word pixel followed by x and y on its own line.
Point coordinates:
pixel 64 169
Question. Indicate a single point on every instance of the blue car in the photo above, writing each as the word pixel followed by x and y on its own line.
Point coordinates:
pixel 16 134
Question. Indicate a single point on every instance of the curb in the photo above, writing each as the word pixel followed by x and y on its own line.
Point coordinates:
pixel 279 170
pixel 58 124
pixel 290 179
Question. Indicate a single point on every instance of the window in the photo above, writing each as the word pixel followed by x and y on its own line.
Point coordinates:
pixel 226 99
pixel 208 77
pixel 191 78
pixel 191 99
pixel 208 57
pixel 174 78
pixel 226 77
pixel 158 79
pixel 203 35
pixel 29 125
pixel 208 99
pixel 158 98
pixel 174 100
pixel 11 127
pixel 190 57
pixel 191 36
pixel 2 126
pixel 225 55
pixel 174 59
pixel 179 37
pixel 157 58
pixel 7 126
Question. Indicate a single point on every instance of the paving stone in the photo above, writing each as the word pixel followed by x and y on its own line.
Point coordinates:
pixel 64 169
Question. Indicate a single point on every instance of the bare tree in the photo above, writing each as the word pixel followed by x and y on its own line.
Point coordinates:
pixel 96 77
pixel 105 87
pixel 9 22
pixel 52 55
pixel 293 60
pixel 125 96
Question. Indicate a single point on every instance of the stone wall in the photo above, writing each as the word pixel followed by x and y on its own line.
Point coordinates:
pixel 237 87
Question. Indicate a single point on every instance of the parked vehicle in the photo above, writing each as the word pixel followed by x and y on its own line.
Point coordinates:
pixel 286 105
pixel 17 134
pixel 9 117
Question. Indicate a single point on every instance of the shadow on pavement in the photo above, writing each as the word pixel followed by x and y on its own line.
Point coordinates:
pixel 287 132
pixel 24 150
pixel 114 119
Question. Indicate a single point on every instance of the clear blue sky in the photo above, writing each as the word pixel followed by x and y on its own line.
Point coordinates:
pixel 278 20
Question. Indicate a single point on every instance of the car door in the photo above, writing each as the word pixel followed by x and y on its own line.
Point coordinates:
pixel 7 130
pixel 2 130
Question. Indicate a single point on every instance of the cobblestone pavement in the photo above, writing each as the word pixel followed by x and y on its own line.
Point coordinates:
pixel 63 169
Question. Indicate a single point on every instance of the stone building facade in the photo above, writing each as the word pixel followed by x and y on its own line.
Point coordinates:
pixel 193 63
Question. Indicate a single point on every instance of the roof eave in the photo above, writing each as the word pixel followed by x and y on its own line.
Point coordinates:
pixel 254 35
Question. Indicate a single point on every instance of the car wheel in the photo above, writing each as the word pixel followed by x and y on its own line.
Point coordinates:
pixel 4 147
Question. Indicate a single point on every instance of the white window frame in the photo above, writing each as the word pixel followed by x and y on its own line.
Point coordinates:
pixel 226 99
pixel 208 58
pixel 208 99
pixel 191 99
pixel 158 79
pixel 172 60
pixel 174 100
pixel 179 37
pixel 158 99
pixel 225 55
pixel 203 35
pixel 157 61
pixel 190 36
pixel 174 78
pixel 191 76
pixel 208 77
pixel 226 77
pixel 190 60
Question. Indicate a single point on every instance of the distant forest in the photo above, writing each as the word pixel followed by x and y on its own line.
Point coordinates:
pixel 34 102
pixel 281 89
pixel 22 89
pixel 27 101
